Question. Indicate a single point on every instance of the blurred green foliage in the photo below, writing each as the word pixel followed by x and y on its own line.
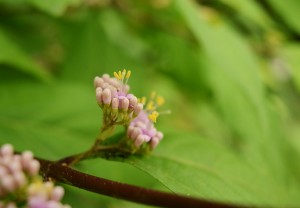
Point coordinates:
pixel 229 71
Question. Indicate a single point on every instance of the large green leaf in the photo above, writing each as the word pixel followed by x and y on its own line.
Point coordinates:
pixel 191 165
pixel 48 118
pixel 233 74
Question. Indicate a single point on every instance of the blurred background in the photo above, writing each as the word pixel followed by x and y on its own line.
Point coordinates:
pixel 228 69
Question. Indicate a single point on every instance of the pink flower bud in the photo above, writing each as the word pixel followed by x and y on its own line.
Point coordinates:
pixel 57 193
pixel 26 158
pixel 34 167
pixel 106 96
pixel 7 149
pixel 147 138
pixel 125 104
pixel 139 140
pixel 115 103
pixel 133 102
pixel 129 131
pixel 98 82
pixel 159 135
pixel 152 132
pixel 135 133
pixel 20 179
pixel 15 165
pixel 8 183
pixel 99 95
pixel 106 77
pixel 154 142
pixel 138 108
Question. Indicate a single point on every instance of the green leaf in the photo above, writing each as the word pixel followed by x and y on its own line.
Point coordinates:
pixel 53 7
pixel 94 53
pixel 233 73
pixel 48 119
pixel 191 165
pixel 12 55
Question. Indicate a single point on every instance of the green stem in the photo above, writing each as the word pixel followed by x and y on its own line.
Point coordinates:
pixel 99 151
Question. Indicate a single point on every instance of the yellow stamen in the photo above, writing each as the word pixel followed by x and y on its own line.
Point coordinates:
pixel 123 73
pixel 160 100
pixel 128 74
pixel 150 106
pixel 153 116
pixel 120 75
pixel 117 76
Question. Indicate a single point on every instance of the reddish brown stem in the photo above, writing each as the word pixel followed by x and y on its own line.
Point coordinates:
pixel 67 175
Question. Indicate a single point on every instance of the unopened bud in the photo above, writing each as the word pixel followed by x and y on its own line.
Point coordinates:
pixel 139 140
pixel 7 149
pixel 106 97
pixel 125 104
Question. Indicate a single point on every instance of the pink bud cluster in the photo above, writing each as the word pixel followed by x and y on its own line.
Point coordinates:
pixel 15 170
pixel 112 94
pixel 45 195
pixel 18 174
pixel 141 130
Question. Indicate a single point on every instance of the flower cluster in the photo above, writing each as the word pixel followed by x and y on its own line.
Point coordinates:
pixel 120 107
pixel 113 97
pixel 20 185
pixel 141 129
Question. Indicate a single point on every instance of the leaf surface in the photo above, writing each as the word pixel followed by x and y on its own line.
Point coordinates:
pixel 191 165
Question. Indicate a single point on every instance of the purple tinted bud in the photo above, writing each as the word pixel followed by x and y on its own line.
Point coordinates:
pixel 99 95
pixel 139 140
pixel 98 82
pixel 20 179
pixel 57 193
pixel 8 183
pixel 135 133
pixel 106 97
pixel 133 102
pixel 125 104
pixel 7 149
pixel 115 103
pixel 159 135
pixel 154 142
pixel 34 167
pixel 138 108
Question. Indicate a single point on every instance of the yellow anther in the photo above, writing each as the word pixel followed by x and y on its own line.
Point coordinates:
pixel 153 116
pixel 153 94
pixel 160 100
pixel 120 75
pixel 117 76
pixel 123 73
pixel 128 74
pixel 150 106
